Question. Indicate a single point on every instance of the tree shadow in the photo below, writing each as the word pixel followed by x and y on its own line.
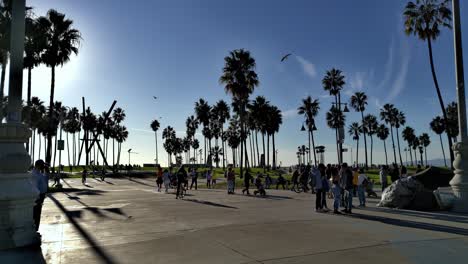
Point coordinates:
pixel 26 255
pixel 142 183
pixel 412 224
pixel 103 255
pixel 444 216
pixel 209 203
pixel 108 182
pixel 270 197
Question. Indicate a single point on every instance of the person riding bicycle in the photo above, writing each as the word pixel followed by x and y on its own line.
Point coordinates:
pixel 181 177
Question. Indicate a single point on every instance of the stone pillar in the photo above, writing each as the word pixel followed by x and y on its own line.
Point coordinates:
pixel 17 194
pixel 459 182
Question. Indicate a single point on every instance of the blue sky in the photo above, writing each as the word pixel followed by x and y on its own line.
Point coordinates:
pixel 175 49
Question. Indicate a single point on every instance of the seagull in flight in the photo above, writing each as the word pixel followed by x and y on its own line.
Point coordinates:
pixel 155 98
pixel 285 57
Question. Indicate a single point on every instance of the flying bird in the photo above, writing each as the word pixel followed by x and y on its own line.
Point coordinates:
pixel 285 57
pixel 155 97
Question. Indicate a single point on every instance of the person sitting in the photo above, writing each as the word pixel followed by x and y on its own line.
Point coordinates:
pixel 280 181
pixel 260 188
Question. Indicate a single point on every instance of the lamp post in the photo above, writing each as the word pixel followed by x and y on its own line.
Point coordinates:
pixel 459 182
pixel 18 193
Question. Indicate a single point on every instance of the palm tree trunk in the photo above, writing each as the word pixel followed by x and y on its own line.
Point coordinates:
pixel 29 86
pixel 313 147
pixel 258 152
pixel 113 152
pixel 385 150
pixel 425 154
pixel 415 157
pixel 39 151
pixel 341 143
pixel 398 141
pixel 357 152
pixel 222 143
pixel 411 155
pixel 371 149
pixel 393 145
pixel 204 139
pixel 264 160
pixel 443 152
pixel 337 145
pixel 439 96
pixel 55 146
pixel 422 160
pixel 309 156
pixel 365 140
pixel 51 108
pixel 2 82
pixel 68 150
pixel 268 151
pixel 251 150
pixel 274 152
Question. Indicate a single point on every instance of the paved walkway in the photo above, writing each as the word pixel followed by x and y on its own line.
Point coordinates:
pixel 127 221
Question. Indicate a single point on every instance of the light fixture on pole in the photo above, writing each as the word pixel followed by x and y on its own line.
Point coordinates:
pixel 346 110
pixel 303 128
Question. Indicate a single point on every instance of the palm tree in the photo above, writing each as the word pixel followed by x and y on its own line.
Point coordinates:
pixel 195 146
pixel 36 113
pixel 333 82
pixel 438 126
pixel 202 111
pixel 358 102
pixel 257 110
pixel 233 140
pixel 415 144
pixel 387 114
pixel 169 134
pixel 425 142
pixel 62 41
pixel 424 19
pixel 121 136
pixel 275 119
pixel 399 120
pixel 408 136
pixel 382 134
pixel 336 119
pixel 240 80
pixel 452 121
pixel 222 110
pixel 370 125
pixel 34 44
pixel 355 130
pixel 310 110
pixel 155 126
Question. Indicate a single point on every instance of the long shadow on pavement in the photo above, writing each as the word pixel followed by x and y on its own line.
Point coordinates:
pixel 270 197
pixel 209 203
pixel 142 183
pixel 23 255
pixel 105 257
pixel 412 224
pixel 444 216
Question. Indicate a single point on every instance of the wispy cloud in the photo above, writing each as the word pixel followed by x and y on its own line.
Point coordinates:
pixel 388 67
pixel 290 113
pixel 142 130
pixel 307 66
pixel 400 81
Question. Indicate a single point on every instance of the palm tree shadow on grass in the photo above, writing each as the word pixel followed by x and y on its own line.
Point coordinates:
pixel 412 224
pixel 94 245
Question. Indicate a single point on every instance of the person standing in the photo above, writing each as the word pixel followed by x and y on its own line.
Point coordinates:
pixel 325 185
pixel 166 179
pixel 208 179
pixel 159 179
pixel 362 183
pixel 181 177
pixel 383 173
pixel 41 183
pixel 346 181
pixel 194 176
pixel 336 189
pixel 267 181
pixel 231 178
pixel 318 189
pixel 247 178
pixel 84 175
pixel 403 172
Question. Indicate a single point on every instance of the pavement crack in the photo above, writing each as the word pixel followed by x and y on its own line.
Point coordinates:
pixel 238 252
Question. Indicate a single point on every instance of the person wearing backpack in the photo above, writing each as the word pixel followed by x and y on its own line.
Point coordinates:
pixel 362 183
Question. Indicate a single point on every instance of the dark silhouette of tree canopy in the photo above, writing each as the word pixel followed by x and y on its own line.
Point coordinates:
pixel 359 102
pixel 382 134
pixel 438 126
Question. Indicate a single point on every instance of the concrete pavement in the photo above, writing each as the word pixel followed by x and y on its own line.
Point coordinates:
pixel 127 221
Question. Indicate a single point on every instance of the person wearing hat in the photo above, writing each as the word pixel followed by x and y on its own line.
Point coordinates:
pixel 41 183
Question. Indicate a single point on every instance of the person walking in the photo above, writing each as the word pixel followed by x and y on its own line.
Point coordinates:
pixel 159 179
pixel 268 181
pixel 208 179
pixel 41 183
pixel 346 182
pixel 362 183
pixel 84 175
pixel 181 177
pixel 383 175
pixel 166 179
pixel 231 178
pixel 325 185
pixel 194 176
pixel 247 179
pixel 336 189
pixel 318 189
pixel 280 181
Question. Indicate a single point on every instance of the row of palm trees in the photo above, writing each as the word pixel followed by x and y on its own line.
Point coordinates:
pixel 72 122
pixel 50 40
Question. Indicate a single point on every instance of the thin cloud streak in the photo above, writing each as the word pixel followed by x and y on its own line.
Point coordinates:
pixel 290 113
pixel 307 66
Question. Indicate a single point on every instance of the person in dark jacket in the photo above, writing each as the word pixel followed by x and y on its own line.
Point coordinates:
pixel 346 182
pixel 181 177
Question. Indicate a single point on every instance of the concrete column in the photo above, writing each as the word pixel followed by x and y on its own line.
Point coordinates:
pixel 18 193
pixel 459 182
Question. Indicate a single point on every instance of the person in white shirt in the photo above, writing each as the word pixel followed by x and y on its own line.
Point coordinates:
pixel 40 181
pixel 362 183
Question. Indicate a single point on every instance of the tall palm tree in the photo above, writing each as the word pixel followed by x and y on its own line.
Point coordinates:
pixel 202 111
pixel 424 19
pixel 34 45
pixel 333 82
pixel 451 126
pixel 195 146
pixel 355 130
pixel 310 110
pixel 358 102
pixel 336 119
pixel 408 136
pixel 258 111
pixel 370 125
pixel 121 136
pixel 169 135
pixel 416 144
pixel 62 41
pixel 382 134
pixel 276 119
pixel 399 120
pixel 36 112
pixel 155 127
pixel 425 142
pixel 387 114
pixel 438 126
pixel 240 80
pixel 222 110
